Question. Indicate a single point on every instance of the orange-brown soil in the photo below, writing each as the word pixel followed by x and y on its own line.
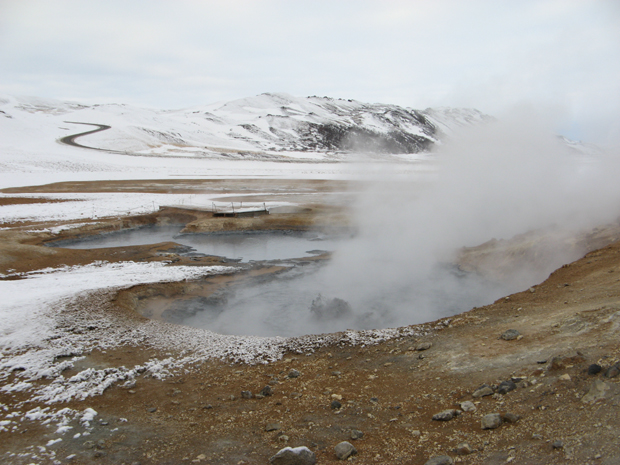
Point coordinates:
pixel 389 390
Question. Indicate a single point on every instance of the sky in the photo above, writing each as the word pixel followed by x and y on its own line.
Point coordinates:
pixel 561 57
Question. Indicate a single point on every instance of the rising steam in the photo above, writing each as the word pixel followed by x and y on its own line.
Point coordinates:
pixel 494 182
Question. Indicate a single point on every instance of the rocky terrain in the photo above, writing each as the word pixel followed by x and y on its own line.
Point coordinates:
pixel 531 378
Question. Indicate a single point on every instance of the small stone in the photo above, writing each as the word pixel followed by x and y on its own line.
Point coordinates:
pixel 335 405
pixel 283 438
pixel 536 436
pixel 356 434
pixel 445 415
pixel 208 407
pixel 294 374
pixel 510 334
pixel 491 421
pixel 564 377
pixel 463 449
pixel 598 390
pixel 612 371
pixel 266 391
pixel 151 409
pixel 297 456
pixel 374 400
pixel 440 460
pixel 416 433
pixel 506 386
pixel 594 369
pixel 511 418
pixel 557 363
pixel 294 395
pixel 246 394
pixel 557 444
pixel 344 450
pixel 468 406
pixel 273 427
pixel 484 390
pixel 424 346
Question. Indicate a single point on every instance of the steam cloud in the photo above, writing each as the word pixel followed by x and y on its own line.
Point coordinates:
pixel 496 181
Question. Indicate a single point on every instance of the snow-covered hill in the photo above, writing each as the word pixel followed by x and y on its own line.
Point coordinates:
pixel 268 126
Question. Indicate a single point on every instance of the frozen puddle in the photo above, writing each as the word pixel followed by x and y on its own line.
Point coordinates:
pixel 236 246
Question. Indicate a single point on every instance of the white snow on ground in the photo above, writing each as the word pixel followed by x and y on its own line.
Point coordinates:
pixel 26 301
pixel 47 325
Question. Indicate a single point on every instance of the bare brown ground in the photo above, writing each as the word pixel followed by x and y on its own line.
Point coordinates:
pixel 389 391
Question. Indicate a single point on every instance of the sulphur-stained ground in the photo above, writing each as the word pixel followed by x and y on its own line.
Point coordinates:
pixel 555 405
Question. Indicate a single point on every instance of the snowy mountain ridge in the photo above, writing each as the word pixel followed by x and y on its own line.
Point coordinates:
pixel 270 126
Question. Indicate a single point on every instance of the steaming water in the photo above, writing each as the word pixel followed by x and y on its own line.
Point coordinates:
pixel 282 306
pixel 245 247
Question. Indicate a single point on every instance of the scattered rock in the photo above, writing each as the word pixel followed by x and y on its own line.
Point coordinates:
pixel 557 363
pixel 510 334
pixel 330 309
pixel 424 346
pixel 594 369
pixel 463 449
pixel 416 433
pixel 506 386
pixel 565 377
pixel 356 434
pixel 445 415
pixel 273 427
pixel 266 391
pixel 612 371
pixel 294 374
pixel 557 444
pixel 468 406
pixel 336 405
pixel 597 391
pixel 151 409
pixel 297 456
pixel 283 438
pixel 344 450
pixel 536 436
pixel 511 418
pixel 246 394
pixel 440 460
pixel 491 421
pixel 484 390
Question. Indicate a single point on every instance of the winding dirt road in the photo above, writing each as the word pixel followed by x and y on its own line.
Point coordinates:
pixel 70 140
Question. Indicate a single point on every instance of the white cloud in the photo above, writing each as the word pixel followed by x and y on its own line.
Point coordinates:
pixel 485 54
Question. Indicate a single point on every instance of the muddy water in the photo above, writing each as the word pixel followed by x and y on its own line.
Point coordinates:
pixel 286 304
pixel 236 246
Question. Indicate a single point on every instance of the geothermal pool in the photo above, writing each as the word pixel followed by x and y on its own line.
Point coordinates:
pixel 308 298
pixel 235 246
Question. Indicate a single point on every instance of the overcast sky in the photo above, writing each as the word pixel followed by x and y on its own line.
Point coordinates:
pixel 561 56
